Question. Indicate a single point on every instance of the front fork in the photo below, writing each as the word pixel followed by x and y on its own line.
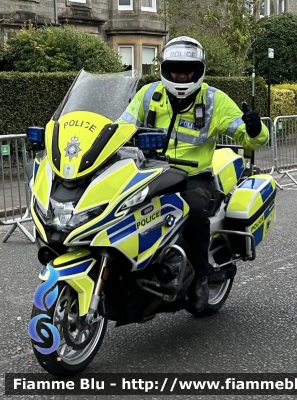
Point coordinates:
pixel 89 318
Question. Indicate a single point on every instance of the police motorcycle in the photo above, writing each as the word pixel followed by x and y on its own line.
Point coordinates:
pixel 109 217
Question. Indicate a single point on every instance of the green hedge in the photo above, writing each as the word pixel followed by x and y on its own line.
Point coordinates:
pixel 28 99
pixel 283 100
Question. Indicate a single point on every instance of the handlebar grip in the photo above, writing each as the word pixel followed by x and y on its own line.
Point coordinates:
pixel 183 162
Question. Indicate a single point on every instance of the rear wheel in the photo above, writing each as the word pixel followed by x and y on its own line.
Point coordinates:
pixel 77 347
pixel 218 294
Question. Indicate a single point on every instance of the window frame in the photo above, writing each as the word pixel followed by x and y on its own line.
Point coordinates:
pixel 283 3
pixel 150 9
pixel 130 7
pixel 144 46
pixel 130 46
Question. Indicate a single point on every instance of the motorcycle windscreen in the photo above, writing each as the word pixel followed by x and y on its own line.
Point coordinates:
pixel 81 136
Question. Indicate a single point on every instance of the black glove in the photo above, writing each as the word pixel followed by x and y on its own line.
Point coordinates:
pixel 252 121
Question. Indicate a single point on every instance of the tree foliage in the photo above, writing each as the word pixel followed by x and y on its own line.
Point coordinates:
pixel 226 26
pixel 185 16
pixel 220 61
pixel 236 22
pixel 280 33
pixel 52 49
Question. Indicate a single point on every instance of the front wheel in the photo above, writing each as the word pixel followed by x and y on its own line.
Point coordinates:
pixel 77 346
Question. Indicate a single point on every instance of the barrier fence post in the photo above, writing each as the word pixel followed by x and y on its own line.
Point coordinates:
pixel 285 127
pixel 15 185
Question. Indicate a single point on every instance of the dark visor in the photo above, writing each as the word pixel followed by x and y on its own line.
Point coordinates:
pixel 182 67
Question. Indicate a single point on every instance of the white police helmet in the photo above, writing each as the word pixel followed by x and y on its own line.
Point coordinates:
pixel 182 54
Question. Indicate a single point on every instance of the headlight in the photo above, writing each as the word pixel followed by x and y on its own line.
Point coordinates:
pixel 83 217
pixel 62 212
pixel 60 215
pixel 136 199
pixel 57 215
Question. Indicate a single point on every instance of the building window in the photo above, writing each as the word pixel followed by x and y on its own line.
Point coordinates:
pixel 149 54
pixel 125 4
pixel 127 56
pixel 281 6
pixel 78 1
pixel 265 9
pixel 249 6
pixel 148 5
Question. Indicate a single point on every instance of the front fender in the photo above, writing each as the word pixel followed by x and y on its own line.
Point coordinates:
pixel 73 268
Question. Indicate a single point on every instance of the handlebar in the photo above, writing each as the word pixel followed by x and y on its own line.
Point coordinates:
pixel 177 161
pixel 155 155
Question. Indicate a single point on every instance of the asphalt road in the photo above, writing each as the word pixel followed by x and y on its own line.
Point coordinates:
pixel 255 331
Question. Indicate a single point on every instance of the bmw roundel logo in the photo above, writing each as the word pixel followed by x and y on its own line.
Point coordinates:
pixel 170 220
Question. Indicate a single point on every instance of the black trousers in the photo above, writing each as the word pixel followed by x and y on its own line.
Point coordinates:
pixel 199 195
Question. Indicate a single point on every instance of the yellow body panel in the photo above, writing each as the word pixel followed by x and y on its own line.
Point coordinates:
pixel 73 255
pixel 227 168
pixel 38 223
pixel 130 246
pixel 106 189
pixel 84 286
pixel 42 184
pixel 49 130
pixel 242 199
pixel 78 131
pixel 123 134
pixel 258 202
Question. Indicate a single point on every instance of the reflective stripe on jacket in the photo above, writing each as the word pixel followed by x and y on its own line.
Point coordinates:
pixel 222 116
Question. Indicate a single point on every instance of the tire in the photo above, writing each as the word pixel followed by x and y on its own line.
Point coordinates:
pixel 65 361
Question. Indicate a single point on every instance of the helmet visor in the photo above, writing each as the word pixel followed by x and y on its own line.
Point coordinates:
pixel 172 67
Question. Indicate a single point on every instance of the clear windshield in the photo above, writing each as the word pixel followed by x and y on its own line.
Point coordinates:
pixel 105 94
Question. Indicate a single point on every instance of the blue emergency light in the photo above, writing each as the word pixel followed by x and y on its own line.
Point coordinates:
pixel 35 134
pixel 151 141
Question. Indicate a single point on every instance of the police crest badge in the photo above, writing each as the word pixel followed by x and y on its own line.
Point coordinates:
pixel 72 149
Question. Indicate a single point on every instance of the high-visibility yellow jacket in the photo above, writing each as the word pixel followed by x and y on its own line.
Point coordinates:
pixel 222 117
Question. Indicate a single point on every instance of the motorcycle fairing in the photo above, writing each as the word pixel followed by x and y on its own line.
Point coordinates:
pixel 112 188
pixel 74 267
pixel 81 141
pixel 43 183
pixel 138 236
pixel 43 176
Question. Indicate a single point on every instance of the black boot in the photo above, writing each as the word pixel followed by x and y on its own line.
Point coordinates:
pixel 198 294
pixel 201 294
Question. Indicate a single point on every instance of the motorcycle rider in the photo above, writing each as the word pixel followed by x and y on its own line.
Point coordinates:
pixel 193 114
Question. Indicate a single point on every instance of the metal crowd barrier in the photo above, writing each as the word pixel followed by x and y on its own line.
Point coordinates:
pixel 14 185
pixel 285 128
pixel 279 155
pixel 265 156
